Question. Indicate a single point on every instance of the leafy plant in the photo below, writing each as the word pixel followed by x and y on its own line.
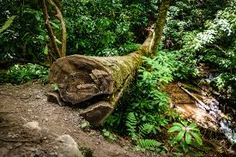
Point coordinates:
pixel 205 36
pixel 148 144
pixel 23 73
pixel 187 134
pixel 108 135
pixel 131 124
pixel 146 111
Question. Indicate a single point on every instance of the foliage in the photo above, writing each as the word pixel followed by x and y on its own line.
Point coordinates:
pixel 148 144
pixel 106 27
pixel 22 73
pixel 7 23
pixel 26 38
pixel 108 135
pixel 187 134
pixel 204 33
pixel 147 110
pixel 94 27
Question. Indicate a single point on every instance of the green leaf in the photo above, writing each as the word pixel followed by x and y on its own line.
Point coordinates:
pixel 185 123
pixel 58 41
pixel 178 124
pixel 197 137
pixel 192 125
pixel 45 50
pixel 7 23
pixel 175 128
pixel 188 138
pixel 180 136
pixel 55 25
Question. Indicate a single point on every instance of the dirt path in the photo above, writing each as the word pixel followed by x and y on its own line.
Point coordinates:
pixel 27 103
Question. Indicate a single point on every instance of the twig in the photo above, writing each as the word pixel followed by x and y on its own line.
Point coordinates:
pixel 49 28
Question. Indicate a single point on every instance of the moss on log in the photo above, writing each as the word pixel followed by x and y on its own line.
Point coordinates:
pixel 94 83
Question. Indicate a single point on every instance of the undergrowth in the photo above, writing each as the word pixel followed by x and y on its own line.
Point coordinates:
pixel 18 74
pixel 144 115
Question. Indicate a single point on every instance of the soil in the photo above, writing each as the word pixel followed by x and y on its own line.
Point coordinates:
pixel 22 104
pixel 28 103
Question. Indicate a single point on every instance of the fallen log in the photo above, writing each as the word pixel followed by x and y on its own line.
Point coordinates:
pixel 93 83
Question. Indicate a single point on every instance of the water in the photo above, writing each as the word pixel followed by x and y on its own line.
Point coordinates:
pixel 225 125
pixel 227 131
pixel 212 107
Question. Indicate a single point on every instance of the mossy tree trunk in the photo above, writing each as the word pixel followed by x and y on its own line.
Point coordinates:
pixel 159 25
pixel 94 83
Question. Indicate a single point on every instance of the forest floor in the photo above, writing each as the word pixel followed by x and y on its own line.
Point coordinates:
pixel 30 126
pixel 26 103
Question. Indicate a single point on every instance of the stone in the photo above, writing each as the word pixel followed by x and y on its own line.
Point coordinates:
pixel 67 147
pixel 34 125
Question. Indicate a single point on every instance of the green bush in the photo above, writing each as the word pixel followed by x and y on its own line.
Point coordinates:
pixel 186 135
pixel 146 111
pixel 106 28
pixel 22 73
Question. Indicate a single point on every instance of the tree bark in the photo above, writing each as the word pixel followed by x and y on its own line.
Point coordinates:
pixel 61 52
pixel 159 25
pixel 94 83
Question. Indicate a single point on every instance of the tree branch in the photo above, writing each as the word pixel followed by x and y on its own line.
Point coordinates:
pixel 49 28
pixel 63 26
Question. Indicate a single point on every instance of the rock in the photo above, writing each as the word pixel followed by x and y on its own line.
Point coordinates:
pixel 34 125
pixel 67 147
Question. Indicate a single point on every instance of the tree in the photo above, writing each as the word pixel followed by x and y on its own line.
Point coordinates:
pixel 159 25
pixel 61 52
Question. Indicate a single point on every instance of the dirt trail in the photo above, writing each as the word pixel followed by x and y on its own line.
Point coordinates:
pixel 28 102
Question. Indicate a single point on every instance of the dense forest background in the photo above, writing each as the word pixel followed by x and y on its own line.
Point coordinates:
pixel 198 46
pixel 197 32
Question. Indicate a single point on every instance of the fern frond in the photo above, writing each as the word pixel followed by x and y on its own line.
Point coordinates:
pixel 131 124
pixel 149 144
pixel 146 129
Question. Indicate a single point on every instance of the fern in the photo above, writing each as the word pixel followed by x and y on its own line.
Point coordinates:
pixel 131 124
pixel 147 128
pixel 149 144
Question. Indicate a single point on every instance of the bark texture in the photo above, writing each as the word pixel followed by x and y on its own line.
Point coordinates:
pixel 93 83
pixel 159 25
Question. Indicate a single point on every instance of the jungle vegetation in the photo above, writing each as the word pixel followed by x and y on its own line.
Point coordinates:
pixel 197 33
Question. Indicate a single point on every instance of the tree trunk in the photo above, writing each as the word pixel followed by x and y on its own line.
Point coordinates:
pixel 94 83
pixel 159 25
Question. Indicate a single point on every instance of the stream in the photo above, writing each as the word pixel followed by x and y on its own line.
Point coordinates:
pixel 212 107
pixel 194 103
